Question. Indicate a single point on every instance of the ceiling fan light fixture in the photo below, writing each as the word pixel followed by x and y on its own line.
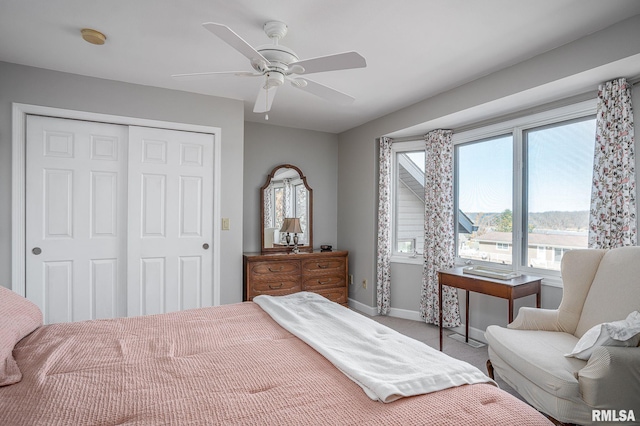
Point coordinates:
pixel 273 79
pixel 92 36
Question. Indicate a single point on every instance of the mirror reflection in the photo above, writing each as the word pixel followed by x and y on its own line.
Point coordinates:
pixel 286 218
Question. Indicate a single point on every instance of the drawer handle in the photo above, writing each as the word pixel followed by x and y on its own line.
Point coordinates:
pixel 275 287
pixel 325 266
pixel 325 282
pixel 276 270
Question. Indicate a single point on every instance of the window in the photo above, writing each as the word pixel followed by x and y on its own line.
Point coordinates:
pixel 557 254
pixel 301 212
pixel 525 186
pixel 406 245
pixel 559 164
pixel 484 175
pixel 290 200
pixel 408 199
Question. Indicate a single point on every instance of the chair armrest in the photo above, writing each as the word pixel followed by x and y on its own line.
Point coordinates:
pixel 536 319
pixel 611 378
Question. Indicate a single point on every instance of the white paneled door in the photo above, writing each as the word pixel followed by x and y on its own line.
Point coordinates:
pixel 76 218
pixel 170 226
pixel 118 219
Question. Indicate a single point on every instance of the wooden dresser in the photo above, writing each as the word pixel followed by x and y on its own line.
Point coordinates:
pixel 325 273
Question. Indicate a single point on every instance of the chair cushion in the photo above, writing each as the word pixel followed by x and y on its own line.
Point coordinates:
pixel 566 410
pixel 539 356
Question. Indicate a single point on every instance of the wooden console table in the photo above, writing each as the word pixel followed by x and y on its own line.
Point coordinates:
pixel 514 288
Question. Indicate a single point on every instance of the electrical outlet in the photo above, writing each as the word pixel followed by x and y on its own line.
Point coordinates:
pixel 364 283
pixel 350 279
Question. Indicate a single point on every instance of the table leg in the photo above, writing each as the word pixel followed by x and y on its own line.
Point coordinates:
pixel 466 321
pixel 440 310
pixel 510 310
pixel 538 299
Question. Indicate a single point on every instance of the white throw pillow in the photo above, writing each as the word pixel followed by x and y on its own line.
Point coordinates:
pixel 618 333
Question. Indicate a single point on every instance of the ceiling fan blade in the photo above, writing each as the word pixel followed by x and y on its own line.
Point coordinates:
pixel 203 75
pixel 322 91
pixel 265 99
pixel 234 40
pixel 339 61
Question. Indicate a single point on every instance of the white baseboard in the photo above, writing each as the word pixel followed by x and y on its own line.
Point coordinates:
pixel 365 309
pixel 405 314
pixel 474 333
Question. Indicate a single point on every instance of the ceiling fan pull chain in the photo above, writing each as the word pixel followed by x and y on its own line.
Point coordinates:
pixel 266 100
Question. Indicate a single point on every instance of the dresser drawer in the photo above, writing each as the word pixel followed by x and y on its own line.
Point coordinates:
pixel 329 265
pixel 323 281
pixel 338 295
pixel 274 287
pixel 267 270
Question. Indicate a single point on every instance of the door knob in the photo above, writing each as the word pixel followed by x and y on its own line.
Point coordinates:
pixel 205 246
pixel 36 250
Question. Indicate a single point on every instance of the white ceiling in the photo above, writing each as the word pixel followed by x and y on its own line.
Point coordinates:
pixel 414 48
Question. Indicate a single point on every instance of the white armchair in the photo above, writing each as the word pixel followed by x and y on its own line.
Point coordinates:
pixel 598 286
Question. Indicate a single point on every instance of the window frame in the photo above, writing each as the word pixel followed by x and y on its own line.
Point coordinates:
pixel 517 127
pixel 415 258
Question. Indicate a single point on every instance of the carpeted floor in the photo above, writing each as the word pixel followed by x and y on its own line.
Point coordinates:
pixel 428 333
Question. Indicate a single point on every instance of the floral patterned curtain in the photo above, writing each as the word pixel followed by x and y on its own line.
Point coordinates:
pixel 268 207
pixel 286 183
pixel 384 227
pixel 439 237
pixel 612 218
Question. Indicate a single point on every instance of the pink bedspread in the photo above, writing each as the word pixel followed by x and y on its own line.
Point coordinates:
pixel 225 365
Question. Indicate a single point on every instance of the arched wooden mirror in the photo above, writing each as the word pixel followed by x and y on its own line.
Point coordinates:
pixel 286 199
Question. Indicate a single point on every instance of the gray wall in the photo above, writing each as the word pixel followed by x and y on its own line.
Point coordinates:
pixel 315 153
pixel 572 71
pixel 68 91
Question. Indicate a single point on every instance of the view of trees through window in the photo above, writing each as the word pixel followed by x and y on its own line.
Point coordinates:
pixel 522 194
pixel 555 191
pixel 485 192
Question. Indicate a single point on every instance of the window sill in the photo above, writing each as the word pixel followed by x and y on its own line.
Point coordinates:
pixel 409 260
pixel 551 281
pixel 549 278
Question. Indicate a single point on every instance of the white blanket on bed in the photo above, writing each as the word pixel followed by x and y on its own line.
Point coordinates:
pixel 387 365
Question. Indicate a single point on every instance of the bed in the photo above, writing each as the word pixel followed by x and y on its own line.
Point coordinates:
pixel 231 364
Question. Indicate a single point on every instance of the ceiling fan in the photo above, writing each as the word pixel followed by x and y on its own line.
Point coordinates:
pixel 276 63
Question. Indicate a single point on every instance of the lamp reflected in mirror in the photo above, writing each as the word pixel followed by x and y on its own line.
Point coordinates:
pixel 291 225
